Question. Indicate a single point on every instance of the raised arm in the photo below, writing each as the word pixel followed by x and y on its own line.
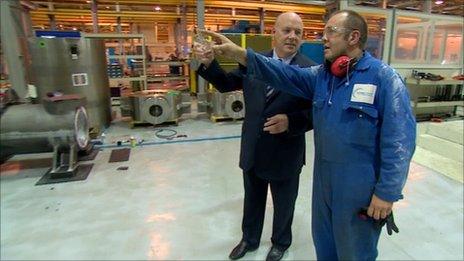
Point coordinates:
pixel 287 78
pixel 211 70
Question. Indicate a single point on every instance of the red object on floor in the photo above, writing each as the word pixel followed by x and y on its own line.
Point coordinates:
pixel 436 120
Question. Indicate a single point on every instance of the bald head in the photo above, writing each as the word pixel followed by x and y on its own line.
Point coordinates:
pixel 284 17
pixel 288 30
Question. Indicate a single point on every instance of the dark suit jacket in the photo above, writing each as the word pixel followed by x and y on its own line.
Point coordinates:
pixel 273 156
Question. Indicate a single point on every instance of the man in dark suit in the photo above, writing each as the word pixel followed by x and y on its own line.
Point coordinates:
pixel 273 139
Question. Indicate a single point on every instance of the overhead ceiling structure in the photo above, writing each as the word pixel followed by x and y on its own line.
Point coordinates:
pixel 77 13
pixel 445 7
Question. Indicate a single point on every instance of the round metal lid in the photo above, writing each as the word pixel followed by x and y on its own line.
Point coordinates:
pixel 156 110
pixel 235 106
pixel 81 127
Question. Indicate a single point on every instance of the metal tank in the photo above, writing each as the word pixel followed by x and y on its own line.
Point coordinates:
pixel 73 66
pixel 29 128
pixel 59 124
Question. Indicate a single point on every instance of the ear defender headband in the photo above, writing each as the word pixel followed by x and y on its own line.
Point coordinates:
pixel 342 65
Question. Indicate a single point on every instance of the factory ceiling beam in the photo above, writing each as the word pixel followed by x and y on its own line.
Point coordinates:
pixel 76 13
pixel 208 22
pixel 190 20
pixel 268 6
pixel 401 4
pixel 145 14
pixel 250 5
pixel 28 4
pixel 70 12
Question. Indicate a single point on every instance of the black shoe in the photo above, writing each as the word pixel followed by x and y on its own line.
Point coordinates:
pixel 275 254
pixel 240 250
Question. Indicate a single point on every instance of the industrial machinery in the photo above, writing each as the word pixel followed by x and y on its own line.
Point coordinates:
pixel 59 124
pixel 230 105
pixel 226 105
pixel 155 106
pixel 73 65
pixel 69 73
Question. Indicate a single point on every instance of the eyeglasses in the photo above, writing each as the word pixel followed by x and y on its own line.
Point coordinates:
pixel 332 30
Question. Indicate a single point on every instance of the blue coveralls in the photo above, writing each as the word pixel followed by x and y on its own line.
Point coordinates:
pixel 364 135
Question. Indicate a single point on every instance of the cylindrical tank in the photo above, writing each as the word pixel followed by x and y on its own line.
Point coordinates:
pixel 29 128
pixel 73 66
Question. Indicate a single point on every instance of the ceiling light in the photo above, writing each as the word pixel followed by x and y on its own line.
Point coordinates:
pixel 439 2
pixel 157 8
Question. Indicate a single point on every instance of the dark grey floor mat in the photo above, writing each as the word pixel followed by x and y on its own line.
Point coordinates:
pixel 82 173
pixel 119 155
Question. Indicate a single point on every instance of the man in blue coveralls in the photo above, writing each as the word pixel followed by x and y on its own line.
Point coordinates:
pixel 364 133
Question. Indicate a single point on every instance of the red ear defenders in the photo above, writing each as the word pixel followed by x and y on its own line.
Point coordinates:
pixel 342 65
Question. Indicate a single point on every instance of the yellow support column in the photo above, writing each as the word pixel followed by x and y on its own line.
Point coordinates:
pixel 193 80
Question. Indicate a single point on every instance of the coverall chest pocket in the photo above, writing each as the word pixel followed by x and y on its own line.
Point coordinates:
pixel 362 124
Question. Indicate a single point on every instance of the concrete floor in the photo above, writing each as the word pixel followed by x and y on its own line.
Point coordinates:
pixel 183 200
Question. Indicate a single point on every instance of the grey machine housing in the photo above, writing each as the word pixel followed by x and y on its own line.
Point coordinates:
pixel 222 105
pixel 155 106
pixel 73 66
pixel 72 97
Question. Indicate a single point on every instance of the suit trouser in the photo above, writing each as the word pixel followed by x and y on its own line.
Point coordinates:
pixel 284 194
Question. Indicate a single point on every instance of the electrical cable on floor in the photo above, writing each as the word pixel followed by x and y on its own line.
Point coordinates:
pixel 170 133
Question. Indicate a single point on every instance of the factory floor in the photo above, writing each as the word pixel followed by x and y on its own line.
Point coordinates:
pixel 182 199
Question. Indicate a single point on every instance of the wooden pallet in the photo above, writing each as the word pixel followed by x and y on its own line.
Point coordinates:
pixel 215 118
pixel 134 124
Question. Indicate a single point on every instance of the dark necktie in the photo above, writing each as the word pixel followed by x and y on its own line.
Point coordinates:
pixel 269 89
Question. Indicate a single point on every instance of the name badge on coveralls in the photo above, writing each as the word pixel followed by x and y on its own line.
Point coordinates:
pixel 363 93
